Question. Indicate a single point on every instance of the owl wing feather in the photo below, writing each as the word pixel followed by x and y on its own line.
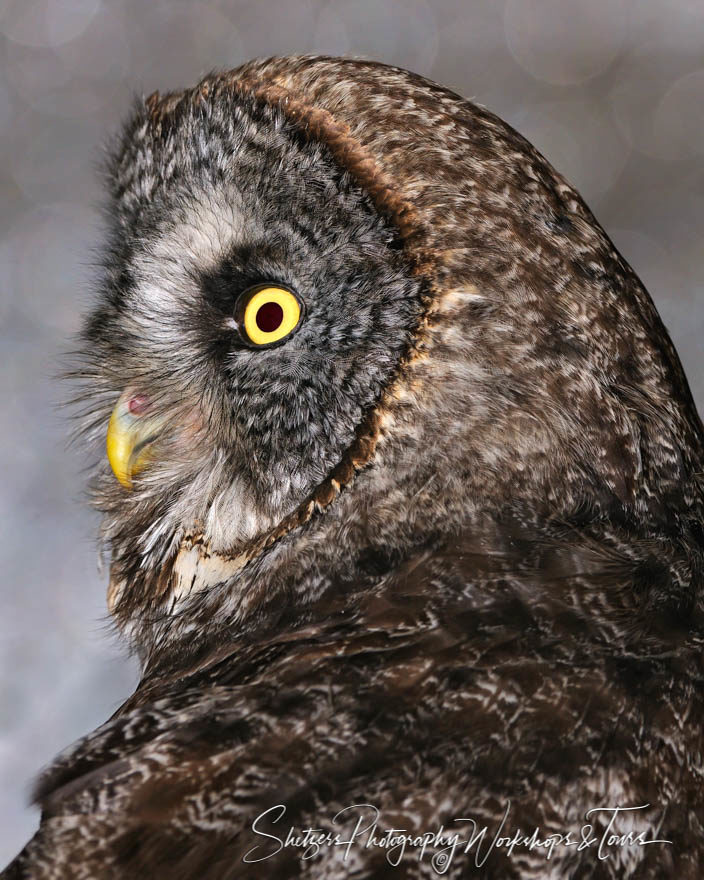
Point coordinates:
pixel 474 677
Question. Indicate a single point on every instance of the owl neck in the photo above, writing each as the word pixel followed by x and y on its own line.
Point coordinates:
pixel 402 513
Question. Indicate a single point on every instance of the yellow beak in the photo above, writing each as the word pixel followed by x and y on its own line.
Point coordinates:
pixel 129 439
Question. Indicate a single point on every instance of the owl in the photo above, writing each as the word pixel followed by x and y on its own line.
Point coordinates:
pixel 404 502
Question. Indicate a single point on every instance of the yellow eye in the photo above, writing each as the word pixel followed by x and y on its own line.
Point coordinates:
pixel 268 314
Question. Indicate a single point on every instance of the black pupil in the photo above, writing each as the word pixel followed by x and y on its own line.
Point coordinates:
pixel 269 317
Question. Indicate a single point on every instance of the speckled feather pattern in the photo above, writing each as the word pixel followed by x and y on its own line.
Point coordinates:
pixel 489 471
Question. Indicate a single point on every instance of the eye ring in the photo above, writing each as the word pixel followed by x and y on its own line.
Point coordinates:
pixel 267 314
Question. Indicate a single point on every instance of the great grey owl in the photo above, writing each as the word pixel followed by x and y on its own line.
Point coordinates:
pixel 407 524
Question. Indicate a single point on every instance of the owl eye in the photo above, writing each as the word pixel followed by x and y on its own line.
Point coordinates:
pixel 267 314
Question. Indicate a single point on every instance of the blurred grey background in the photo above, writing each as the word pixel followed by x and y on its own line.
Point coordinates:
pixel 611 91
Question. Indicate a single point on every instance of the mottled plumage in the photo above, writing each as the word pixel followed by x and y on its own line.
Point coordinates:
pixel 439 551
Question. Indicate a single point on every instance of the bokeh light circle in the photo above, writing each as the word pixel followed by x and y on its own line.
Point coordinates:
pixel 565 42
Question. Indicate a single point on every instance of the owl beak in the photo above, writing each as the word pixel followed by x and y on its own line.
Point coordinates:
pixel 131 432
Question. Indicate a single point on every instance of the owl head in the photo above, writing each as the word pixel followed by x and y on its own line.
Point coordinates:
pixel 345 312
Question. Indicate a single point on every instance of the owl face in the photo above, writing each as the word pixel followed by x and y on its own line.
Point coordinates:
pixel 255 304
